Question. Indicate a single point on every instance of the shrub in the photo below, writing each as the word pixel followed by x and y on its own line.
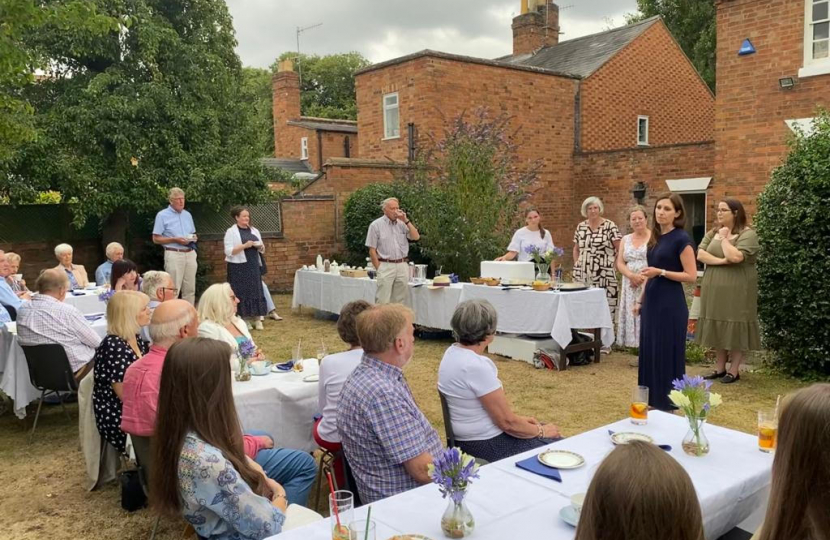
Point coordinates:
pixel 794 231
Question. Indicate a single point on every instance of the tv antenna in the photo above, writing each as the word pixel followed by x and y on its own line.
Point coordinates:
pixel 299 62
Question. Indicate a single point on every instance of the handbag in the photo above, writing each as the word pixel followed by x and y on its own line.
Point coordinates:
pixel 263 268
pixel 132 494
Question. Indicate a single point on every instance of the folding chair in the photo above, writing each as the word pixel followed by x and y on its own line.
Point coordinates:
pixel 49 372
pixel 144 460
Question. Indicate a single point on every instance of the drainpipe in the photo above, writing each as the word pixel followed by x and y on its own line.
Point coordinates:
pixel 410 133
pixel 319 150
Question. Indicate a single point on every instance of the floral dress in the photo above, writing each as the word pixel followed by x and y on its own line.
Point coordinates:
pixel 597 257
pixel 628 325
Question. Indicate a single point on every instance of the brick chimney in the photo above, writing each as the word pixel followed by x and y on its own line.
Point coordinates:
pixel 285 87
pixel 536 27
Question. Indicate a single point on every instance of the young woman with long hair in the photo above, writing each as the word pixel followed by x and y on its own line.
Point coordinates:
pixel 799 501
pixel 199 465
pixel 640 493
pixel 532 234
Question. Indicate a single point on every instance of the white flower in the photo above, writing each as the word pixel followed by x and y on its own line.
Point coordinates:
pixel 430 469
pixel 715 399
pixel 679 398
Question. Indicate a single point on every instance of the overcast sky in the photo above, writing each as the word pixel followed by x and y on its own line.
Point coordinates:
pixel 384 29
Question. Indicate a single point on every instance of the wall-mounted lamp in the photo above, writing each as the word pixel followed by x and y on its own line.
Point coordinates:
pixel 639 191
pixel 786 83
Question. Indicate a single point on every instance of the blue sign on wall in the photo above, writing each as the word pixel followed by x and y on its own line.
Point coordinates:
pixel 746 48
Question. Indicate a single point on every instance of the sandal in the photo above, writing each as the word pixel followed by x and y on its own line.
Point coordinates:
pixel 715 375
pixel 729 378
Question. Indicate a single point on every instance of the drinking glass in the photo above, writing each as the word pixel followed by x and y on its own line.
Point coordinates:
pixel 767 430
pixel 639 405
pixel 321 351
pixel 343 501
pixel 362 530
pixel 297 357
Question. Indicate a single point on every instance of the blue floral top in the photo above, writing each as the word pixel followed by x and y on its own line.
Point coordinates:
pixel 217 501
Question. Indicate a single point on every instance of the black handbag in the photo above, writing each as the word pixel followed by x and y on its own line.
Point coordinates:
pixel 263 268
pixel 132 494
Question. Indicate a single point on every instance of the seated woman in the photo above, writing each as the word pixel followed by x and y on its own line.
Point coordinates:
pixel 799 501
pixel 124 276
pixel 639 492
pixel 200 471
pixel 18 285
pixel 127 312
pixel 218 319
pixel 75 272
pixel 484 424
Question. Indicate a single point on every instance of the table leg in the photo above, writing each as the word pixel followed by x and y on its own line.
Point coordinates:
pixel 597 343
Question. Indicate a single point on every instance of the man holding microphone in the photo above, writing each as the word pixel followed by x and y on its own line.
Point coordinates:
pixel 388 242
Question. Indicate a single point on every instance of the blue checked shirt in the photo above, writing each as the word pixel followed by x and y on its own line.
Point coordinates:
pixel 381 427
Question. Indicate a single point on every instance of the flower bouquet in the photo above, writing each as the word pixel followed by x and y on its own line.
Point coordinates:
pixel 106 295
pixel 544 259
pixel 244 352
pixel 692 395
pixel 453 471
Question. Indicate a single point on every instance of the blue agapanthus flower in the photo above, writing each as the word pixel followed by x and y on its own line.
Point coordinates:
pixel 247 349
pixel 106 295
pixel 453 471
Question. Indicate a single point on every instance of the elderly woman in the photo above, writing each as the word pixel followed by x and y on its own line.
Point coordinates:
pixel 75 272
pixel 124 276
pixel 631 259
pixel 18 284
pixel 485 426
pixel 115 252
pixel 728 319
pixel 127 312
pixel 532 235
pixel 218 319
pixel 243 247
pixel 596 241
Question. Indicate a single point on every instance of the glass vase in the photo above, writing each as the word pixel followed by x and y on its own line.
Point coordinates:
pixel 695 442
pixel 543 272
pixel 243 373
pixel 457 521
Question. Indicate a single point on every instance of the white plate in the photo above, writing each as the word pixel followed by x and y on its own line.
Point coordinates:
pixel 561 459
pixel 628 436
pixel 569 515
pixel 311 378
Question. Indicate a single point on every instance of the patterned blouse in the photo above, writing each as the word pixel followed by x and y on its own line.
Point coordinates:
pixel 597 258
pixel 217 501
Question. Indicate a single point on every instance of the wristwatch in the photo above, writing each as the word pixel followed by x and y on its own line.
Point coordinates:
pixel 407 222
pixel 663 272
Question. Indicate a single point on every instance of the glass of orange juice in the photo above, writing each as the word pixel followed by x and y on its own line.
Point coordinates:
pixel 767 430
pixel 639 405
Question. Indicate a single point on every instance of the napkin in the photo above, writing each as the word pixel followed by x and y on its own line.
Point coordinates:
pixel 93 317
pixel 286 366
pixel 533 465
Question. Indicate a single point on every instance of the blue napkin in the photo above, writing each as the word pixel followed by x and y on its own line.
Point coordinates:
pixel 286 366
pixel 533 465
pixel 94 317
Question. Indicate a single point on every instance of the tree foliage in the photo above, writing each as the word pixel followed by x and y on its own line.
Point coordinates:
pixel 125 115
pixel 257 93
pixel 794 293
pixel 327 87
pixel 693 24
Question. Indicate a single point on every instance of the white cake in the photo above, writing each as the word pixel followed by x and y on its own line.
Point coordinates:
pixel 508 270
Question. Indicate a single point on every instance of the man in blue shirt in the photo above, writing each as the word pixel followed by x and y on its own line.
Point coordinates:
pixel 175 231
pixel 115 252
pixel 7 296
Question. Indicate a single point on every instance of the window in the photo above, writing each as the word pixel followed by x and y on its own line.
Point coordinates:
pixel 642 130
pixel 304 148
pixel 816 38
pixel 391 117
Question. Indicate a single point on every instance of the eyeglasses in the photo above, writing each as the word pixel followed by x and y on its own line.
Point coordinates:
pixel 175 290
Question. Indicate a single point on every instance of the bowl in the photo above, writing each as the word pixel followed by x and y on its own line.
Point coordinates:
pixel 577 500
pixel 477 280
pixel 491 281
pixel 260 367
pixel 541 286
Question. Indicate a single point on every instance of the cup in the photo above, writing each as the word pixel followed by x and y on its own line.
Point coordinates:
pixel 362 529
pixel 17 277
pixel 343 501
pixel 767 430
pixel 577 499
pixel 639 405
pixel 191 237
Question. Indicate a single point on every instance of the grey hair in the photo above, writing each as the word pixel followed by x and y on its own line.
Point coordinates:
pixel 112 246
pixel 173 192
pixel 152 280
pixel 60 249
pixel 387 201
pixel 588 202
pixel 473 321
pixel 169 331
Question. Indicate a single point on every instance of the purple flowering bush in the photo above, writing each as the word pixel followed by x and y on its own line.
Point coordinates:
pixel 453 471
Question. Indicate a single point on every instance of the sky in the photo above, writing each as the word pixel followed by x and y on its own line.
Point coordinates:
pixel 385 29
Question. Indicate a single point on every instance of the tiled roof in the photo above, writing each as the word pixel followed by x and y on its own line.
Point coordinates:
pixel 290 165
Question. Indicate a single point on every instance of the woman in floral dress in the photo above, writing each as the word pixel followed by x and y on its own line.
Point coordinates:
pixel 631 258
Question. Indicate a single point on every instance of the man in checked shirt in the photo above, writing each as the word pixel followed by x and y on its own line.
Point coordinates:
pixel 388 242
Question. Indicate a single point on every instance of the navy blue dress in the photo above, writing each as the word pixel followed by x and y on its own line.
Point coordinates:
pixel 663 320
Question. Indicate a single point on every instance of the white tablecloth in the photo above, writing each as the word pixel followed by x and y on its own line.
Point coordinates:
pixel 14 372
pixel 281 404
pixel 507 502
pixel 87 302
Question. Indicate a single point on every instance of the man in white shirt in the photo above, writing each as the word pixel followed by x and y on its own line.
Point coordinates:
pixel 388 242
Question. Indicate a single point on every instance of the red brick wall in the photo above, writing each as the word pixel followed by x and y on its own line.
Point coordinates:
pixel 334 147
pixel 750 133
pixel 286 106
pixel 650 77
pixel 37 256
pixel 529 32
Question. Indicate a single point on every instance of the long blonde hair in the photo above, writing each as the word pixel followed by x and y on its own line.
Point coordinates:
pixel 640 493
pixel 122 313
pixel 216 305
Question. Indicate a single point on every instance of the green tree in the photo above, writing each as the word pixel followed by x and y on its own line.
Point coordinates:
pixel 693 24
pixel 124 116
pixel 327 87
pixel 258 94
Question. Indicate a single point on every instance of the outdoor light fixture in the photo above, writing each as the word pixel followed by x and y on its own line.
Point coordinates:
pixel 786 83
pixel 639 191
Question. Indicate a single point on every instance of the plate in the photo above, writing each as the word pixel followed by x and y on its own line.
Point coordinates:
pixel 569 515
pixel 561 459
pixel 409 537
pixel 625 437
pixel 311 378
pixel 260 374
pixel 575 286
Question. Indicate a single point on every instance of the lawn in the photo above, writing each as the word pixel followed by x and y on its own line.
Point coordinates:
pixel 41 489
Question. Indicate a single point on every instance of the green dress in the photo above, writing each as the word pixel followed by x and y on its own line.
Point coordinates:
pixel 729 297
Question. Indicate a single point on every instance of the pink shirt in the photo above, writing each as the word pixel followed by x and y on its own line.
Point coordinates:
pixel 141 394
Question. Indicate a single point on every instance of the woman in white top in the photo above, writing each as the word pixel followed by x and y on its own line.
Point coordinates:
pixel 483 423
pixel 218 320
pixel 243 249
pixel 631 259
pixel 532 235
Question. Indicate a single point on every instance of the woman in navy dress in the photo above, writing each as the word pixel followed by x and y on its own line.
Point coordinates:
pixel 662 305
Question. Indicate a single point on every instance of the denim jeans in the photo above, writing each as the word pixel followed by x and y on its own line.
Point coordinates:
pixel 294 470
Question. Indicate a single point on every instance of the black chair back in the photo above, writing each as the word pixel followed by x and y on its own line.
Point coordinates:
pixel 12 312
pixel 49 368
pixel 445 410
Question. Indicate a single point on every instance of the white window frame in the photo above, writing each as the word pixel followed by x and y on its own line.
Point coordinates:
pixel 395 132
pixel 812 67
pixel 639 119
pixel 304 148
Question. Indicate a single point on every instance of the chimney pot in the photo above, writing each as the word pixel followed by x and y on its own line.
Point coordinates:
pixel 537 27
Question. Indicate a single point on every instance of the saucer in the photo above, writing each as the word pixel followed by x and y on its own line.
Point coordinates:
pixel 569 515
pixel 628 436
pixel 311 378
pixel 561 459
